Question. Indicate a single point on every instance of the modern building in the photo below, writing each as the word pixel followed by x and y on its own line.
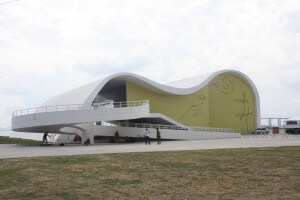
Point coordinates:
pixel 219 105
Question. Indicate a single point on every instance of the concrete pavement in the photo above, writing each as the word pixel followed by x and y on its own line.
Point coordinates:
pixel 17 151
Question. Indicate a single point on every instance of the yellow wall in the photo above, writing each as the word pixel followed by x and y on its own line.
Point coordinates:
pixel 232 103
pixel 226 102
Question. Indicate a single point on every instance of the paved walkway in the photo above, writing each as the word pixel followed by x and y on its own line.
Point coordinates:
pixel 17 151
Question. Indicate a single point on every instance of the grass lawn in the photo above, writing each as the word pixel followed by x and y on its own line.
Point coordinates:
pixel 257 173
pixel 7 140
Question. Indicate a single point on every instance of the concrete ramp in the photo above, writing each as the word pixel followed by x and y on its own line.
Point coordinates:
pixel 53 118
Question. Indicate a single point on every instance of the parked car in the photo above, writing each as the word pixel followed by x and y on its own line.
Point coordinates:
pixel 262 131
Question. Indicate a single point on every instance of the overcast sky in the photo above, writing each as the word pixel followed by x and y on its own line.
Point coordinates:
pixel 50 46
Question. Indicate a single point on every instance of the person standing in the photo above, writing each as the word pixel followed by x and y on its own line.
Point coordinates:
pixel 147 136
pixel 117 134
pixel 158 136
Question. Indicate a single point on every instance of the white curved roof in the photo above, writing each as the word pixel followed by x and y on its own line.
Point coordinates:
pixel 75 96
pixel 189 82
pixel 87 93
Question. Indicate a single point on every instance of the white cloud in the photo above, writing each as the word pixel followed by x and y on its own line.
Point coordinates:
pixel 47 47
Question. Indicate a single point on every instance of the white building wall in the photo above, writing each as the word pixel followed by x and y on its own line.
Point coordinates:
pixel 95 130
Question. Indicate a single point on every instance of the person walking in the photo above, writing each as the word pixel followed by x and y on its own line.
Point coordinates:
pixel 147 136
pixel 45 138
pixel 158 136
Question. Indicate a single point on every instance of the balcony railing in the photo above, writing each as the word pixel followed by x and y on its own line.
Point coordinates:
pixel 209 129
pixel 174 127
pixel 57 108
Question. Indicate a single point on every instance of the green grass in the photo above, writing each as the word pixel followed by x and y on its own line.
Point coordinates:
pixel 257 173
pixel 7 140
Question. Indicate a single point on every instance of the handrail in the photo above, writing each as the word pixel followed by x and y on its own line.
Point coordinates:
pixel 56 108
pixel 175 127
pixel 211 129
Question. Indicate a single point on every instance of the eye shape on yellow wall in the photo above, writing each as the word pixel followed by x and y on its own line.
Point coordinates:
pixel 201 98
pixel 225 85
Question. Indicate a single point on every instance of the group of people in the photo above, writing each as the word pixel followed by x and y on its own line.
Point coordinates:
pixel 147 136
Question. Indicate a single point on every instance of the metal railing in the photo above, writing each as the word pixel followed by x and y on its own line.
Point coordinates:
pixel 111 103
pixel 174 127
pixel 145 125
pixel 56 108
pixel 209 129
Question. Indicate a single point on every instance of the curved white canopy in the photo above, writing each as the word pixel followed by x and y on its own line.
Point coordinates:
pixel 87 93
